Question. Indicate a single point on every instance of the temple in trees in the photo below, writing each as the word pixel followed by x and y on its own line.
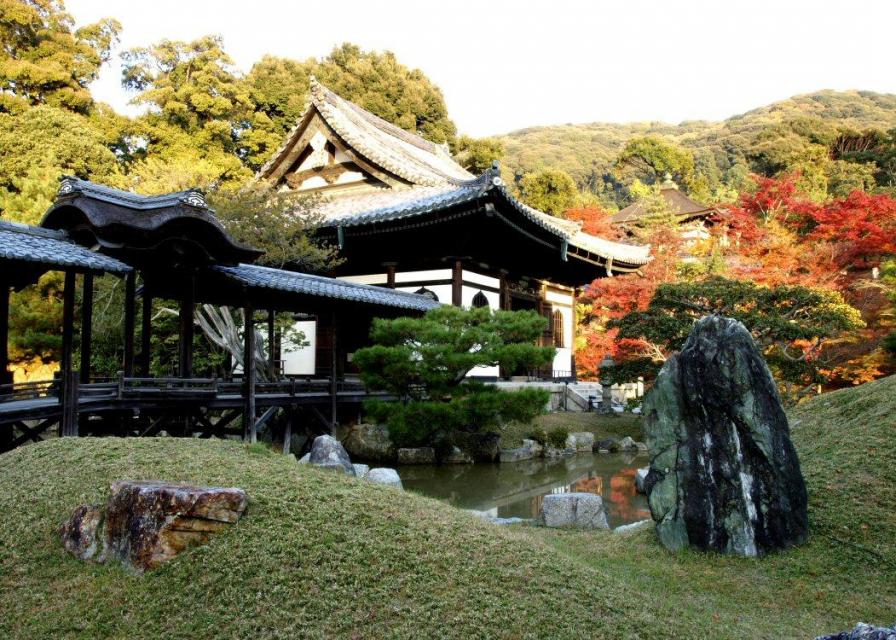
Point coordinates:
pixel 692 217
pixel 406 216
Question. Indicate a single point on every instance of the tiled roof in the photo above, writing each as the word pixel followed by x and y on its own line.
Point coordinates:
pixel 320 286
pixel 51 248
pixel 71 185
pixel 394 204
pixel 679 204
pixel 400 152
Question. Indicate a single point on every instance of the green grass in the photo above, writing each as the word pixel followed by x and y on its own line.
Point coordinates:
pixel 602 426
pixel 321 555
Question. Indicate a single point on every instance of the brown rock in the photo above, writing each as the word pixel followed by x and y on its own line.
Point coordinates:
pixel 146 523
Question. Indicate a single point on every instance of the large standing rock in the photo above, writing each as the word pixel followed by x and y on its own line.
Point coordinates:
pixel 573 510
pixel 724 474
pixel 530 449
pixel 580 441
pixel 328 453
pixel 369 442
pixel 146 523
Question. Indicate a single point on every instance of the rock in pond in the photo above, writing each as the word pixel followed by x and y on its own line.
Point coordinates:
pixel 382 475
pixel 530 449
pixel 724 474
pixel 458 456
pixel 146 523
pixel 864 631
pixel 580 441
pixel 573 511
pixel 482 447
pixel 369 442
pixel 629 444
pixel 418 455
pixel 606 445
pixel 328 453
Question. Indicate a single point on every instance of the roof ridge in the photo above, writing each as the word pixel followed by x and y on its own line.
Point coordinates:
pixel 31 230
pixel 70 185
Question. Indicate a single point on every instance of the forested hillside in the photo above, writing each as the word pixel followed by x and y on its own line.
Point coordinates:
pixel 802 133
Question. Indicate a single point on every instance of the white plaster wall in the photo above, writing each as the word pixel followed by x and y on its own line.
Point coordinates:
pixel 417 276
pixel 300 362
pixel 374 278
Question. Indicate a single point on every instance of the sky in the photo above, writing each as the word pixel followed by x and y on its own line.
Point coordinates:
pixel 509 65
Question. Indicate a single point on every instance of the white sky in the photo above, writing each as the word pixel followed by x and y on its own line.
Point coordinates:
pixel 505 65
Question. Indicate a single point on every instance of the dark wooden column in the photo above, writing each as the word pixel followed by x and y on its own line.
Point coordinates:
pixel 457 283
pixel 185 344
pixel 390 275
pixel 86 327
pixel 5 375
pixel 334 372
pixel 68 424
pixel 249 432
pixel 504 289
pixel 130 289
pixel 272 361
pixel 145 331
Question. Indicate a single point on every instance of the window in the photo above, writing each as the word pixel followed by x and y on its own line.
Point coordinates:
pixel 557 326
pixel 479 300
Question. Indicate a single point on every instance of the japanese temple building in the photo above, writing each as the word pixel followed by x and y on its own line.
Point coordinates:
pixel 406 216
pixel 691 216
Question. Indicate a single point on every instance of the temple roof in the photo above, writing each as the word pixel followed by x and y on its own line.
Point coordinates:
pixel 395 204
pixel 404 154
pixel 319 286
pixel 681 206
pixel 52 249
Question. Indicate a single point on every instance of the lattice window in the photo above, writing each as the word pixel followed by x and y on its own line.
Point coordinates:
pixel 557 326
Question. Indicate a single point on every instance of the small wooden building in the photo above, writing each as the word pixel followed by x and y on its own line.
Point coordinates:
pixel 405 215
pixel 692 217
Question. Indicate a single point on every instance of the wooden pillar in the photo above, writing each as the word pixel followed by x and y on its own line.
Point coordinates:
pixel 504 288
pixel 457 283
pixel 68 399
pixel 86 326
pixel 5 375
pixel 249 432
pixel 272 361
pixel 390 275
pixel 185 344
pixel 130 289
pixel 334 371
pixel 145 332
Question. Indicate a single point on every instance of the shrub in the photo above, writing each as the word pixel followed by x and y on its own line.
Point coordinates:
pixel 557 437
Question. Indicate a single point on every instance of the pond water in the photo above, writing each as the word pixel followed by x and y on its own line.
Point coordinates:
pixel 516 489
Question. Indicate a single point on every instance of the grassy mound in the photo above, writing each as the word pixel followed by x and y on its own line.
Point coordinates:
pixel 321 555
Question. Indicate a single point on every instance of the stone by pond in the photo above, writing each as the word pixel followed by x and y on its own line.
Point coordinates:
pixel 517 490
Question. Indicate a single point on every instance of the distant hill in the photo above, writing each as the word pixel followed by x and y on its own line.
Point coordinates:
pixel 762 140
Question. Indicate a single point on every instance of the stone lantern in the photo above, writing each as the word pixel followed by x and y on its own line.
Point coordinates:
pixel 606 385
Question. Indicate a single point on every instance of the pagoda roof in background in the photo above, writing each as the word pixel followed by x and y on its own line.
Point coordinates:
pixel 682 206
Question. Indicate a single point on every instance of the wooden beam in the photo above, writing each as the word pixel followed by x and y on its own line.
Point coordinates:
pixel 185 343
pixel 457 283
pixel 130 288
pixel 249 429
pixel 145 332
pixel 86 326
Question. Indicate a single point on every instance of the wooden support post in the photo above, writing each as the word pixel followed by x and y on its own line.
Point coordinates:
pixel 86 326
pixel 145 332
pixel 67 380
pixel 5 375
pixel 185 344
pixel 249 429
pixel 390 275
pixel 334 372
pixel 272 361
pixel 130 288
pixel 70 392
pixel 457 283
pixel 504 292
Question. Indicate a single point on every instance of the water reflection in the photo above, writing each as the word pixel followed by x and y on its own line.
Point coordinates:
pixel 517 489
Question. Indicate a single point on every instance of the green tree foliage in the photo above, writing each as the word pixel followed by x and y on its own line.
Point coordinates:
pixel 654 159
pixel 374 80
pixel 477 155
pixel 424 361
pixel 790 323
pixel 44 60
pixel 551 191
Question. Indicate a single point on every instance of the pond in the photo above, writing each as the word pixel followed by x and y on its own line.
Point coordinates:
pixel 516 489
